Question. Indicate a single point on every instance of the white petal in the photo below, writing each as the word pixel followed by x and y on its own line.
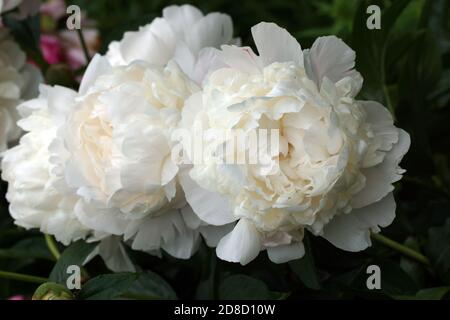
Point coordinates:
pixel 330 57
pixel 99 65
pixel 212 30
pixel 99 218
pixel 379 179
pixel 211 207
pixel 190 218
pixel 148 233
pixel 192 107
pixel 276 44
pixel 184 57
pixel 213 234
pixel 240 245
pixel 168 232
pixel 351 232
pixel 285 253
pixel 153 43
pixel 114 55
pixel 184 245
pixel 169 170
pixel 182 18
pixel 385 133
pixel 114 255
pixel 61 101
pixel 241 58
pixel 28 107
pixel 207 61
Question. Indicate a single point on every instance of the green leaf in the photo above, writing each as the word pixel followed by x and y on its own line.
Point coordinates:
pixel 305 267
pixel 432 293
pixel 75 254
pixel 441 94
pixel 242 287
pixel 435 16
pixel 422 69
pixel 29 248
pixel 414 269
pixel 395 281
pixel 150 286
pixel 107 286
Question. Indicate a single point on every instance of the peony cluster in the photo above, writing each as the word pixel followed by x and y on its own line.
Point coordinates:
pixel 100 164
pixel 18 82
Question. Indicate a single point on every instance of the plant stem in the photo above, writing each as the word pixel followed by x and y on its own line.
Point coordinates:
pixel 83 45
pixel 52 246
pixel 401 248
pixel 21 277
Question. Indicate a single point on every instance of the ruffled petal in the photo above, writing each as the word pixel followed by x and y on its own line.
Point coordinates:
pixel 211 207
pixel 241 58
pixel 98 66
pixel 100 218
pixel 330 57
pixel 351 232
pixel 213 234
pixel 379 179
pixel 182 18
pixel 285 253
pixel 168 232
pixel 212 30
pixel 154 43
pixel 114 255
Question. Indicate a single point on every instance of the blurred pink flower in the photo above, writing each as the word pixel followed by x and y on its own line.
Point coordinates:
pixel 64 46
pixel 51 48
pixel 17 297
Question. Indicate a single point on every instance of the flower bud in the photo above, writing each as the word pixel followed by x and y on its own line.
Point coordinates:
pixel 52 291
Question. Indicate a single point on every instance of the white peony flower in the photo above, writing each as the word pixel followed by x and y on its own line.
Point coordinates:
pixel 108 154
pixel 337 160
pixel 183 34
pixel 36 201
pixel 117 156
pixel 18 81
pixel 37 193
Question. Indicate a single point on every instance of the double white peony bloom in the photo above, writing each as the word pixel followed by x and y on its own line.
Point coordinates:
pixel 98 164
pixel 337 160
